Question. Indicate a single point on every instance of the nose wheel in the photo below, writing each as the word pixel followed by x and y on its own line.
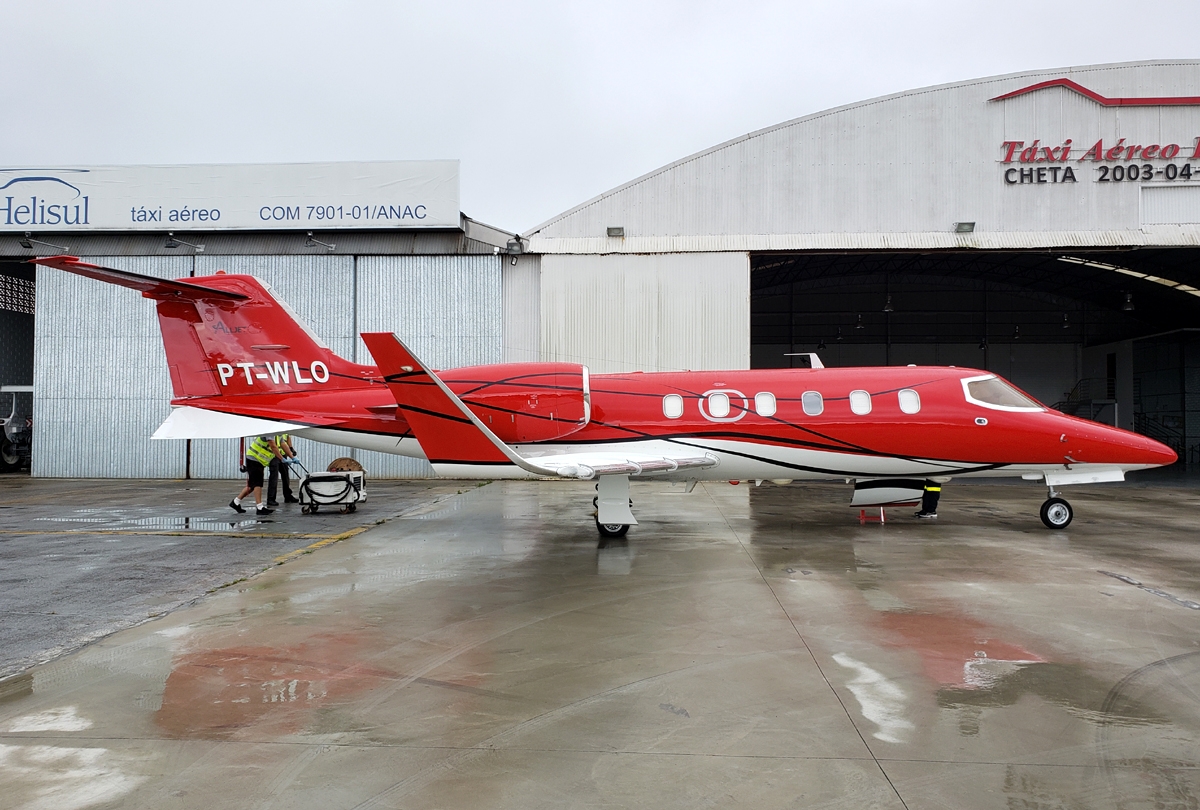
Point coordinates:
pixel 1057 513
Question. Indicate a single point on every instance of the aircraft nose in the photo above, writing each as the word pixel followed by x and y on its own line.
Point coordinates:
pixel 1127 448
pixel 1156 452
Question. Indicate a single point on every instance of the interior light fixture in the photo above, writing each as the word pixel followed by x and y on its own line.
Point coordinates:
pixel 1016 333
pixel 173 243
pixel 1066 323
pixel 839 335
pixel 983 343
pixel 1128 305
pixel 310 242
pixel 964 227
pixel 28 242
pixel 859 325
pixel 821 345
pixel 888 306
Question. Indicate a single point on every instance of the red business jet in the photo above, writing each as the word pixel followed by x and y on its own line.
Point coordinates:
pixel 242 363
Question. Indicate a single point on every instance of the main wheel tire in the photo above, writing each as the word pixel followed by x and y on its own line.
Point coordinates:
pixel 612 529
pixel 10 457
pixel 1057 513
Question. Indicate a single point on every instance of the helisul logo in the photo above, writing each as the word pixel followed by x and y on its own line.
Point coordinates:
pixel 29 197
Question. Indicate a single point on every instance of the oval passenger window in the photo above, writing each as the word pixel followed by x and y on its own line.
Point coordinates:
pixel 718 405
pixel 812 402
pixel 910 400
pixel 860 402
pixel 672 406
pixel 764 403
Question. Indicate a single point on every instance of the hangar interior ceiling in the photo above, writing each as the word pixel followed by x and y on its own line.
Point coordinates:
pixel 1061 324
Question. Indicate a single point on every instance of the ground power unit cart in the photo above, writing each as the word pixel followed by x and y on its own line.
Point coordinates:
pixel 338 488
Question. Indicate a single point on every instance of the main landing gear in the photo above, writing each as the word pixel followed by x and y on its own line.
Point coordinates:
pixel 1056 512
pixel 612 502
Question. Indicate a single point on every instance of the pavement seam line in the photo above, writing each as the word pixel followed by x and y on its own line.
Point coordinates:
pixel 807 649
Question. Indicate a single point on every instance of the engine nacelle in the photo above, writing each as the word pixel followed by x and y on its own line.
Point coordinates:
pixel 525 402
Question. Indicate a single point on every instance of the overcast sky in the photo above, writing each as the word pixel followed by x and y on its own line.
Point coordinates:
pixel 546 104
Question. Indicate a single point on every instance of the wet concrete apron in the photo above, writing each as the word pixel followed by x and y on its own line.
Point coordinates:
pixel 80 559
pixel 742 647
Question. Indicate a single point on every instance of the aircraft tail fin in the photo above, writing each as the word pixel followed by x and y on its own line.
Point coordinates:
pixel 229 335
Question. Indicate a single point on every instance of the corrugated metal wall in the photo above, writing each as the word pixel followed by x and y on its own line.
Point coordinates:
pixel 522 309
pixel 446 308
pixel 1170 205
pixel 666 312
pixel 101 379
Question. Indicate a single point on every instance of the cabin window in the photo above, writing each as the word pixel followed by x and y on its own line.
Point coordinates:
pixel 812 403
pixel 764 403
pixel 672 406
pixel 718 405
pixel 910 400
pixel 860 402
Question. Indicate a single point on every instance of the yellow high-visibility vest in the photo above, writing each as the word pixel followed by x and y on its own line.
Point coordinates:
pixel 260 451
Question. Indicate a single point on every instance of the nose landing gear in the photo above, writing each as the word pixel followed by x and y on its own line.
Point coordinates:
pixel 1056 512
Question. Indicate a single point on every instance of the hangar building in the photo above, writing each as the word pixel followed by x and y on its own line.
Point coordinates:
pixel 1043 225
pixel 351 247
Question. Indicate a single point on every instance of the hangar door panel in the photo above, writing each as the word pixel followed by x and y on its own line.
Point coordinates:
pixel 662 312
pixel 101 376
pixel 446 308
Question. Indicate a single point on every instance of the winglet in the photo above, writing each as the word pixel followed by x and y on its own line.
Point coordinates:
pixel 448 431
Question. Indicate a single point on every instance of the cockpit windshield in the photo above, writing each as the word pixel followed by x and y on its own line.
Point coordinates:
pixel 993 392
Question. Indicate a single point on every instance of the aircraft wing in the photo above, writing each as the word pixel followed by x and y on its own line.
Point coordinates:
pixel 453 436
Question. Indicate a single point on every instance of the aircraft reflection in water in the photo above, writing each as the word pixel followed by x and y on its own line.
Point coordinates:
pixel 242 364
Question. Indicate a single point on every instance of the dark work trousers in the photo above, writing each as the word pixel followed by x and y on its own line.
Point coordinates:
pixel 929 498
pixel 278 470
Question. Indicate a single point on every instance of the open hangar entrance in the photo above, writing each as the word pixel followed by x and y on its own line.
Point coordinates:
pixel 1108 335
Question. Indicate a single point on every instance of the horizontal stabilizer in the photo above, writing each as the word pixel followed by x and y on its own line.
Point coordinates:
pixel 186 422
pixel 151 286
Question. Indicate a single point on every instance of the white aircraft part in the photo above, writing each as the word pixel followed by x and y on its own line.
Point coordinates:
pixel 612 501
pixel 186 422
pixel 1096 475
pixel 886 496
pixel 406 446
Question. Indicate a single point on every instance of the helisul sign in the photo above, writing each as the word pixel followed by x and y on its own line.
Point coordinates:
pixel 383 195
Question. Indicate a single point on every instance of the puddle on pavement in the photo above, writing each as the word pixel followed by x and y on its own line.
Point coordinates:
pixel 185 523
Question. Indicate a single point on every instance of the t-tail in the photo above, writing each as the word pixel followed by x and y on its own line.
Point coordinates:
pixel 229 335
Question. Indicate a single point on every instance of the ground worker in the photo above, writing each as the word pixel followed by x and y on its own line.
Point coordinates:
pixel 279 469
pixel 929 500
pixel 258 455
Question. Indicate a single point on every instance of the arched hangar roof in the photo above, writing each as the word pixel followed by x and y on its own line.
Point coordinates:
pixel 1037 159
